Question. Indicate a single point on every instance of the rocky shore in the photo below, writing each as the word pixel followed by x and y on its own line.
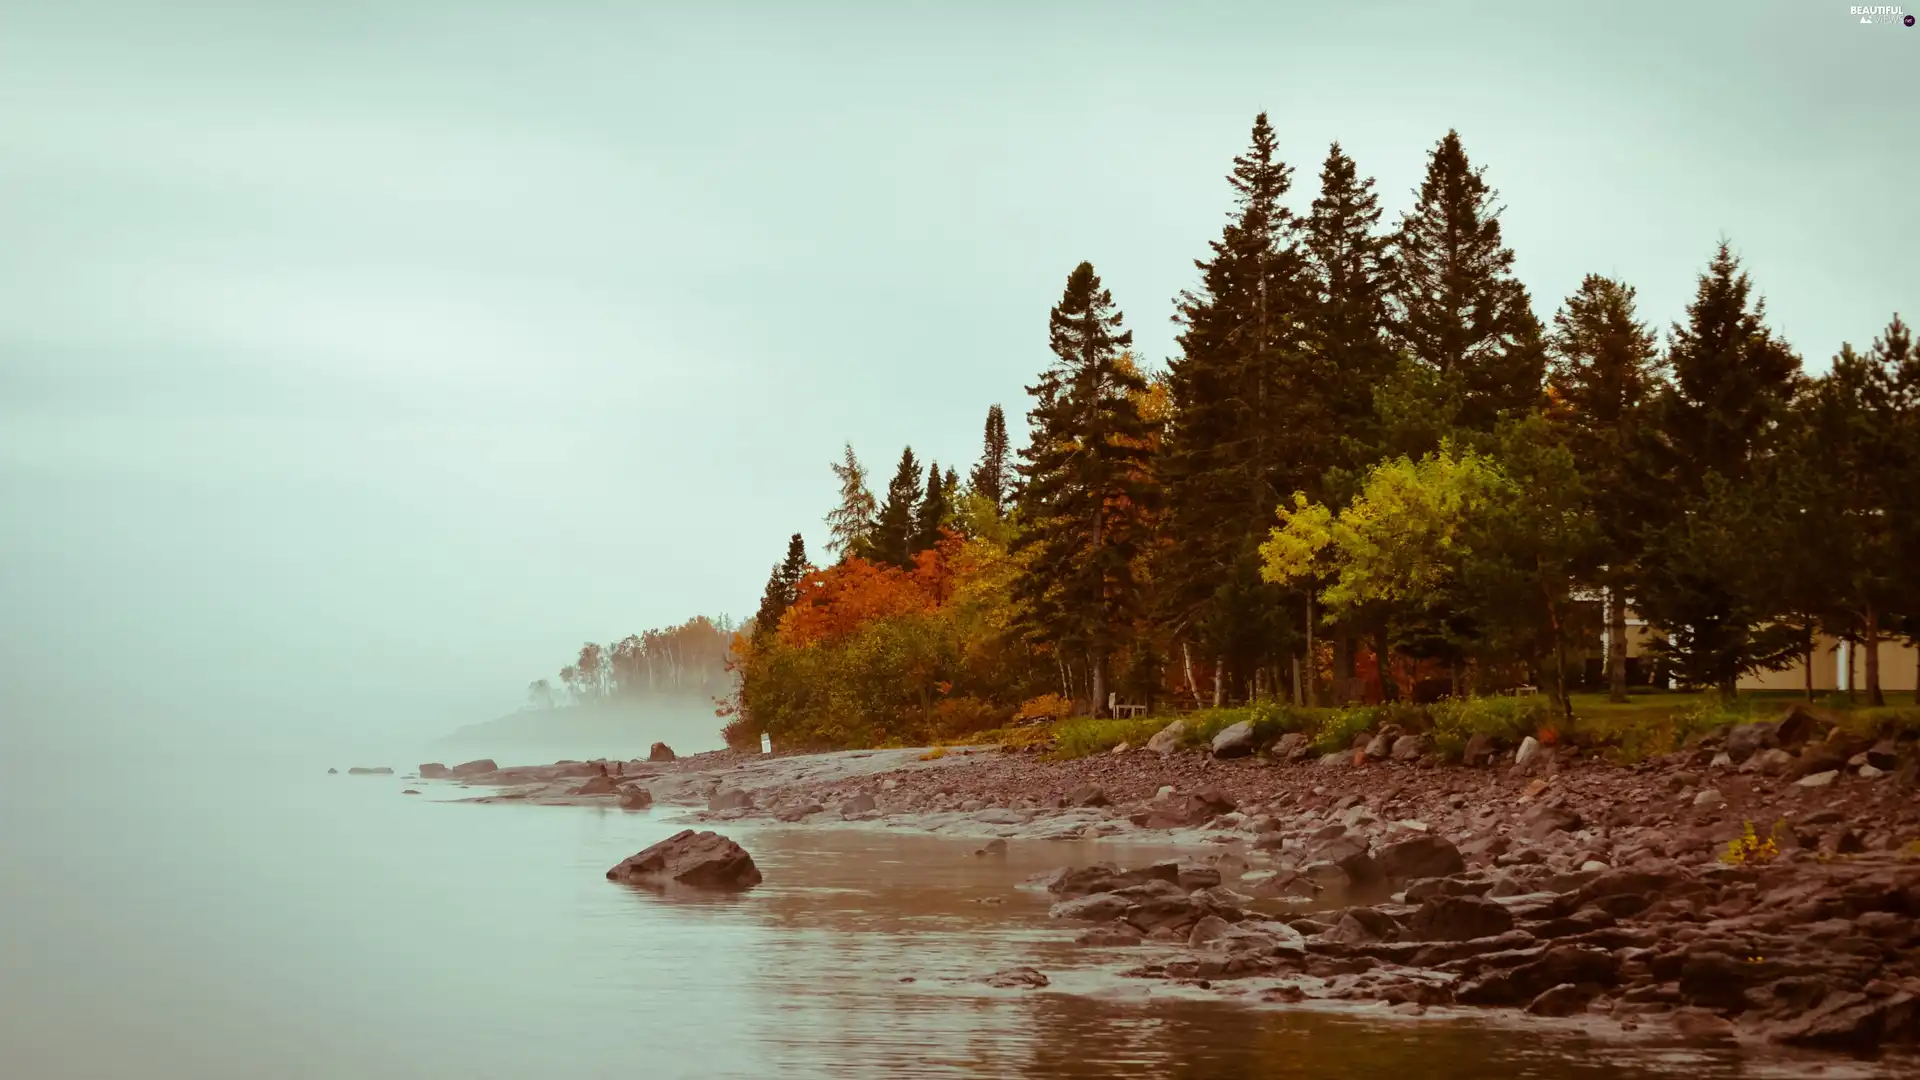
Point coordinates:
pixel 1763 885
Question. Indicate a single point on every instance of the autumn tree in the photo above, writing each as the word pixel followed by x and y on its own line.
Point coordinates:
pixel 896 527
pixel 783 588
pixel 1459 311
pixel 851 525
pixel 1604 372
pixel 992 478
pixel 1732 381
pixel 1081 473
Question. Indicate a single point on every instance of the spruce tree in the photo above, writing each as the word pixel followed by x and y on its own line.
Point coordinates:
pixel 1458 309
pixel 1732 382
pixel 1250 418
pixel 1347 258
pixel 992 478
pixel 850 525
pixel 896 528
pixel 1605 370
pixel 1896 361
pixel 1082 472
pixel 934 508
pixel 783 588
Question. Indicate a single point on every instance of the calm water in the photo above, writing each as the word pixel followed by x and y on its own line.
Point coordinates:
pixel 315 926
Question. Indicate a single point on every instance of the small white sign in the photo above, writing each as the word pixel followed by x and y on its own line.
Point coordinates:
pixel 766 744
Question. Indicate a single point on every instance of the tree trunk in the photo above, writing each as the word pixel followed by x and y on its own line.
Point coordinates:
pixel 1066 686
pixel 1806 655
pixel 1872 645
pixel 1186 656
pixel 1298 697
pixel 1388 691
pixel 1616 647
pixel 1219 681
pixel 1097 675
pixel 1312 697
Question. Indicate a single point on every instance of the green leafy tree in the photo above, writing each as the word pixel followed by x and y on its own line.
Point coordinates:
pixel 1458 308
pixel 897 527
pixel 851 525
pixel 1083 479
pixel 1605 372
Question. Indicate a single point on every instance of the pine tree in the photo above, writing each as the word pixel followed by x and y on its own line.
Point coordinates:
pixel 1896 360
pixel 783 588
pixel 851 524
pixel 1082 472
pixel 1349 263
pixel 1733 381
pixel 1250 418
pixel 993 477
pixel 1605 371
pixel 1458 308
pixel 895 530
pixel 935 507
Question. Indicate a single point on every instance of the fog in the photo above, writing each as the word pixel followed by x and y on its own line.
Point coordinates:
pixel 358 362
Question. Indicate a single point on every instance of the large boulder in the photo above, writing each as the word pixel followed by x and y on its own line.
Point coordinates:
pixel 1086 795
pixel 1167 739
pixel 661 752
pixel 1234 741
pixel 1350 854
pixel 730 799
pixel 635 797
pixel 1185 810
pixel 702 860
pixel 1548 818
pixel 1459 918
pixel 476 767
pixel 862 803
pixel 433 770
pixel 1746 740
pixel 1419 857
pixel 1410 747
pixel 1293 746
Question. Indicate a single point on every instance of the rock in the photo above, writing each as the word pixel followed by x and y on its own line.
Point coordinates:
pixel 1167 739
pixel 1868 772
pixel 859 804
pixel 1559 964
pixel 1848 1020
pixel 1363 926
pixel 1380 746
pixel 1720 760
pixel 1419 857
pixel 1709 799
pixel 730 799
pixel 1529 747
pixel 1746 740
pixel 1119 748
pixel 1565 999
pixel 1773 762
pixel 1459 918
pixel 1697 1024
pixel 1016 978
pixel 1195 876
pixel 1099 907
pixel 1293 746
pixel 635 797
pixel 333 772
pixel 1480 750
pixel 1181 811
pixel 476 767
pixel 1234 741
pixel 1546 819
pixel 409 791
pixel 1593 866
pixel 1817 780
pixel 1798 726
pixel 1210 928
pixel 596 785
pixel 1351 856
pixel 1087 795
pixel 1410 748
pixel 433 770
pixel 1884 755
pixel 1326 875
pixel 704 860
pixel 661 752
pixel 1816 758
pixel 1533 790
pixel 376 770
pixel 1113 935
pixel 802 812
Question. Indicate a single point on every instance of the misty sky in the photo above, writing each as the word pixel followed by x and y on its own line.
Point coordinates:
pixel 359 360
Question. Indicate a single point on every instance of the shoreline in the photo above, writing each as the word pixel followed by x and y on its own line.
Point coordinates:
pixel 1564 889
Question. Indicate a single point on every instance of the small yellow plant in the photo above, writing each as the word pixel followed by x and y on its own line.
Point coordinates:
pixel 1750 849
pixel 934 754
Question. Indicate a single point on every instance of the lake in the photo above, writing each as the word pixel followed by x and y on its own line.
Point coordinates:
pixel 182 924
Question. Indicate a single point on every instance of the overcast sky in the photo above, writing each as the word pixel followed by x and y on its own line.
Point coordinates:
pixel 359 360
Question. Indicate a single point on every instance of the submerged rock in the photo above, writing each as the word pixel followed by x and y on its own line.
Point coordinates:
pixel 702 860
pixel 1016 978
pixel 730 799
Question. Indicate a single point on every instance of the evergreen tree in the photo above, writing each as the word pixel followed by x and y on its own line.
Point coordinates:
pixel 1250 420
pixel 993 477
pixel 1732 382
pixel 1896 362
pixel 1348 261
pixel 1458 308
pixel 783 588
pixel 896 529
pixel 850 525
pixel 1605 371
pixel 935 507
pixel 1082 472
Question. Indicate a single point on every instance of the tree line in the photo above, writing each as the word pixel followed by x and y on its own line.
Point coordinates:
pixel 690 660
pixel 1370 457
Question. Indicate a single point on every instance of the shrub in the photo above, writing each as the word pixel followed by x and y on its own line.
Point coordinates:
pixel 741 734
pixel 958 717
pixel 1505 720
pixel 1045 707
pixel 1337 730
pixel 1750 849
pixel 1083 736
